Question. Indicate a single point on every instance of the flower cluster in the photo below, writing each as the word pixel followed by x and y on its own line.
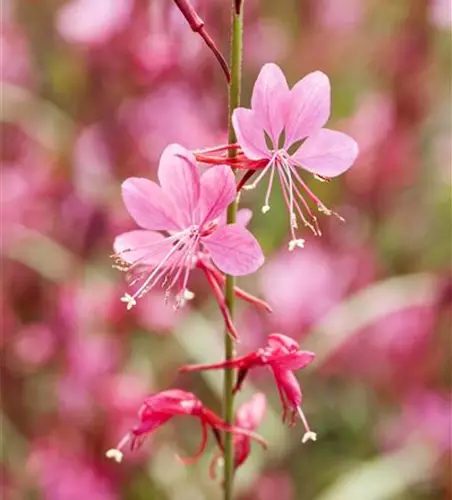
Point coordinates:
pixel 183 227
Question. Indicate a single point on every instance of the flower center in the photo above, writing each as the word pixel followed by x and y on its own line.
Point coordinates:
pixel 172 269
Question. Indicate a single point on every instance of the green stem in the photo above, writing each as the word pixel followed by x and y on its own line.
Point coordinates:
pixel 234 101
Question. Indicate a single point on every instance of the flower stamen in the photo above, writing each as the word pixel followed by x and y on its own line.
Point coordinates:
pixel 308 435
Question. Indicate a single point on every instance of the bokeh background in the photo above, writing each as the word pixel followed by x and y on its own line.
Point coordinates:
pixel 92 91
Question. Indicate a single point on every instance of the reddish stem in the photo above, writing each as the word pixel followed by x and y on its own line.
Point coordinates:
pixel 197 25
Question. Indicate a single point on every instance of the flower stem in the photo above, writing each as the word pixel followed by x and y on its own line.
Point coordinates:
pixel 234 101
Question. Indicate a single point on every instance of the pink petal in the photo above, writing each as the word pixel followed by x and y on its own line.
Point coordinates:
pixel 269 100
pixel 179 177
pixel 288 383
pixel 234 250
pixel 148 204
pixel 243 217
pixel 218 190
pixel 292 361
pixel 141 245
pixel 308 108
pixel 327 152
pixel 250 134
pixel 250 414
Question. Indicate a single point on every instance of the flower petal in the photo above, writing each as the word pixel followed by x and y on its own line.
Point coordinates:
pixel 250 134
pixel 147 247
pixel 309 107
pixel 179 177
pixel 218 190
pixel 327 153
pixel 269 100
pixel 148 204
pixel 292 361
pixel 234 250
pixel 244 216
pixel 288 383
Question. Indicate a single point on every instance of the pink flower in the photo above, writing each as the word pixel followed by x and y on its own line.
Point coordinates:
pixel 270 133
pixel 283 356
pixel 188 207
pixel 158 408
pixel 87 22
pixel 249 415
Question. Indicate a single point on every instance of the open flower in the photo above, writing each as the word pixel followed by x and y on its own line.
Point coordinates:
pixel 189 209
pixel 248 416
pixel 283 356
pixel 158 408
pixel 270 134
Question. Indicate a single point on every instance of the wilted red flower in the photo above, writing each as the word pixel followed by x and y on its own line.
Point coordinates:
pixel 283 356
pixel 249 415
pixel 158 408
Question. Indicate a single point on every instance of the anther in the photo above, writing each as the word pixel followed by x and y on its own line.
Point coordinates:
pixel 296 243
pixel 188 295
pixel 129 300
pixel 115 455
pixel 309 436
pixel 265 209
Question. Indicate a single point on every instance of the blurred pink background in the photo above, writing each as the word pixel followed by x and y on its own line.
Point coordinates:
pixel 92 92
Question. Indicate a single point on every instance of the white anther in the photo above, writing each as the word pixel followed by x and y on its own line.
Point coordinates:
pixel 188 295
pixel 324 210
pixel 129 300
pixel 309 436
pixel 115 455
pixel 296 243
pixel 265 209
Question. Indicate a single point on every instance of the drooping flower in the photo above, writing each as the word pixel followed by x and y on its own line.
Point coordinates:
pixel 158 408
pixel 248 416
pixel 283 356
pixel 188 207
pixel 270 135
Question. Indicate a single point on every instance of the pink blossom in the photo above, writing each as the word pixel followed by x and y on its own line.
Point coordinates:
pixel 249 416
pixel 270 133
pixel 35 344
pixel 161 407
pixel 188 208
pixel 272 485
pixel 441 14
pixel 67 474
pixel 316 282
pixel 88 22
pixel 283 356
pixel 425 414
pixel 399 344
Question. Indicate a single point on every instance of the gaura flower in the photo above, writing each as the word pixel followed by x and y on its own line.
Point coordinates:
pixel 248 416
pixel 158 408
pixel 188 208
pixel 283 356
pixel 271 134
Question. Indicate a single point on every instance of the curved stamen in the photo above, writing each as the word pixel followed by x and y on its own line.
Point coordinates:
pixel 266 206
pixel 308 435
pixel 253 185
pixel 155 275
pixel 116 453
